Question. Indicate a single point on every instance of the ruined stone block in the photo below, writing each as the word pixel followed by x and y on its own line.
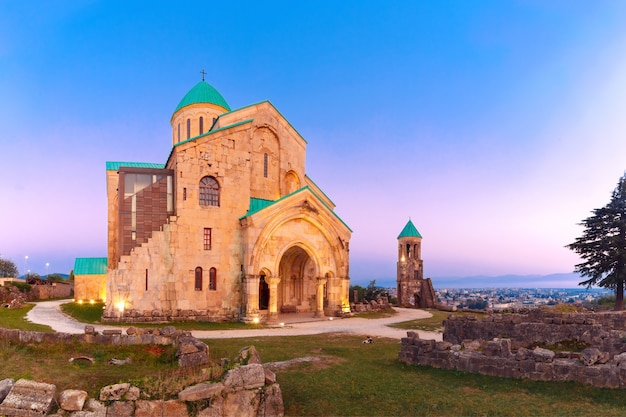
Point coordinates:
pixel 244 403
pixel 247 377
pixel 160 408
pixel 114 392
pixel 120 409
pixel 201 391
pixel 28 398
pixel 72 399
pixel 5 387
pixel 542 355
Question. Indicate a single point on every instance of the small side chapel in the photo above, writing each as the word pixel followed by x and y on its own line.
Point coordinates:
pixel 229 228
pixel 413 290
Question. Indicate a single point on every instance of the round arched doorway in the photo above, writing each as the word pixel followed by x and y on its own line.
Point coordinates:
pixel 296 290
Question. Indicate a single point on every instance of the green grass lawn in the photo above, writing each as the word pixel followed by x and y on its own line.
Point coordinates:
pixel 430 324
pixel 357 379
pixel 16 319
pixel 351 378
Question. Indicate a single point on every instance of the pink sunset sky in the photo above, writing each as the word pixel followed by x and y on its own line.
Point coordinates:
pixel 496 126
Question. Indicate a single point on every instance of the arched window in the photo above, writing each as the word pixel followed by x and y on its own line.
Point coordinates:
pixel 201 125
pixel 198 279
pixel 209 192
pixel 265 160
pixel 188 128
pixel 179 132
pixel 213 279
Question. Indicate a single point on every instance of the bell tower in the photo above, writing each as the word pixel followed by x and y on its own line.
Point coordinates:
pixel 413 290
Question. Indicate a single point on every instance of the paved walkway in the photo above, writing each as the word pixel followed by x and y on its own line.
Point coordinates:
pixel 49 313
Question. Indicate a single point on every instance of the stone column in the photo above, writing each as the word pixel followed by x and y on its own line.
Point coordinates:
pixel 319 282
pixel 251 298
pixel 272 313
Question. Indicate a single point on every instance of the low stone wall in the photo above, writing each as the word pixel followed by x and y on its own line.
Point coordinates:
pixel 165 336
pixel 605 331
pixel 373 305
pixel 248 389
pixel 513 346
pixel 11 294
pixel 165 316
pixel 496 358
pixel 54 290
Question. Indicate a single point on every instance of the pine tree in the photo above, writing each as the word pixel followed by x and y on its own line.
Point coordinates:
pixel 603 246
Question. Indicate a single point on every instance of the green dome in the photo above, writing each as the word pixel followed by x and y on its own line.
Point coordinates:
pixel 203 92
pixel 409 231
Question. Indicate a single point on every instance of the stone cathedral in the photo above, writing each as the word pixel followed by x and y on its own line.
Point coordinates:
pixel 229 228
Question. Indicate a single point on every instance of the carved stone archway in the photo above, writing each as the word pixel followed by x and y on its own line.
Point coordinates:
pixel 297 290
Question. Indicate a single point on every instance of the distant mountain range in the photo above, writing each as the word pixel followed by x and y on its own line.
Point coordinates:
pixel 64 276
pixel 563 280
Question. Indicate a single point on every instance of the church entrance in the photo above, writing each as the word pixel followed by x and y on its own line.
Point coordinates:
pixel 264 293
pixel 296 290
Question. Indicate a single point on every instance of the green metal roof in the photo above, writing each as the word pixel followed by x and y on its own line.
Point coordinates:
pixel 409 231
pixel 203 92
pixel 258 204
pixel 90 266
pixel 115 166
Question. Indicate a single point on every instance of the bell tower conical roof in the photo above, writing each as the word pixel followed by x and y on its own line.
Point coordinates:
pixel 409 231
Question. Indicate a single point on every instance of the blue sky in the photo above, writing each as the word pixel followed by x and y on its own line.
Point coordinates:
pixel 496 126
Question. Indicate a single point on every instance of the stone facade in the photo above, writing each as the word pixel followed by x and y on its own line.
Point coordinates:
pixel 90 287
pixel 229 228
pixel 90 277
pixel 510 345
pixel 413 290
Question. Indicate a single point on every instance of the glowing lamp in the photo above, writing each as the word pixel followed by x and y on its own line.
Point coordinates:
pixel 255 320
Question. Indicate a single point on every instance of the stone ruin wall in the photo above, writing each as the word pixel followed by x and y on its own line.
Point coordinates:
pixel 12 297
pixel 364 306
pixel 514 346
pixel 605 331
pixel 249 389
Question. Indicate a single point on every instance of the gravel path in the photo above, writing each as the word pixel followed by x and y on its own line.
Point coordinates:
pixel 49 312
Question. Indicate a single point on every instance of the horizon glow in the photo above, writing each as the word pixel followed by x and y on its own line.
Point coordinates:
pixel 495 126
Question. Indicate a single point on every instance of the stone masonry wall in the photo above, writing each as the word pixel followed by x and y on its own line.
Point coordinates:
pixel 510 345
pixel 605 331
pixel 165 336
pixel 249 389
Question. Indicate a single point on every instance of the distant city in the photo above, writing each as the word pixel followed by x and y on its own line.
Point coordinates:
pixel 513 298
pixel 509 291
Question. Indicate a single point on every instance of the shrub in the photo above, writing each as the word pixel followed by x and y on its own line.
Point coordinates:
pixel 22 286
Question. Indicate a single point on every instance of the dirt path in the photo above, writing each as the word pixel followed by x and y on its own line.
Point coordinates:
pixel 49 313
